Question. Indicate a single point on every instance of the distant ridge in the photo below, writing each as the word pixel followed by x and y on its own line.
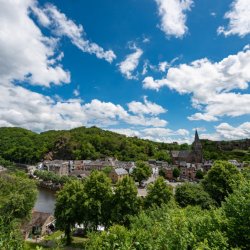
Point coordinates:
pixel 24 146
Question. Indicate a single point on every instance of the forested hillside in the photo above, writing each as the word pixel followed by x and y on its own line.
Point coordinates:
pixel 24 146
pixel 227 150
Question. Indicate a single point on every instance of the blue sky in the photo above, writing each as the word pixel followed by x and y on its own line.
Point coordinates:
pixel 156 69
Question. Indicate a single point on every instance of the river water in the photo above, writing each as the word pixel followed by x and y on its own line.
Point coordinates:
pixel 45 201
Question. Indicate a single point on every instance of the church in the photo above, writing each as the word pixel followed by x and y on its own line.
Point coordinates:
pixel 189 156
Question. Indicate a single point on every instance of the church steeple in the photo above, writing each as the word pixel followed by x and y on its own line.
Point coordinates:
pixel 196 137
pixel 197 148
pixel 197 143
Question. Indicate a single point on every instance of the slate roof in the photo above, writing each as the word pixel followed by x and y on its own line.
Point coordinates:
pixel 121 171
pixel 184 153
pixel 180 154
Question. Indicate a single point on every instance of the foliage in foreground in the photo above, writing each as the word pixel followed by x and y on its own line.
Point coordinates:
pixel 193 194
pixel 17 195
pixel 158 193
pixel 92 203
pixel 164 228
pixel 237 213
pixel 170 227
pixel 17 198
pixel 221 180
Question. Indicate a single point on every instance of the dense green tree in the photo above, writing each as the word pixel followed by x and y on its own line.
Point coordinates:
pixel 199 174
pixel 17 198
pixel 159 193
pixel 125 202
pixel 87 151
pixel 142 171
pixel 237 212
pixel 221 179
pixel 17 195
pixel 162 173
pixel 99 196
pixel 118 237
pixel 162 156
pixel 10 235
pixel 166 228
pixel 176 172
pixel 68 203
pixel 107 170
pixel 50 176
pixel 193 194
pixel 185 146
pixel 246 173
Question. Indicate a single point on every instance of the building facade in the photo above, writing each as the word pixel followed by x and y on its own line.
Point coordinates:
pixel 190 156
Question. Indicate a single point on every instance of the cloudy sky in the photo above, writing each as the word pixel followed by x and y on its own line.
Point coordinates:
pixel 156 69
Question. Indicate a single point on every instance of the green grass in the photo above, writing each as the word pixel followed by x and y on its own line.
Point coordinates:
pixel 31 246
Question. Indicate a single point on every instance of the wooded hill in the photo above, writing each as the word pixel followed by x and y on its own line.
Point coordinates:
pixel 227 150
pixel 24 146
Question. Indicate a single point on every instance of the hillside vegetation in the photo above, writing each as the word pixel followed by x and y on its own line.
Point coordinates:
pixel 24 146
pixel 227 150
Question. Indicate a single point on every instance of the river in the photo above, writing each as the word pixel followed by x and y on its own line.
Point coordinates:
pixel 45 201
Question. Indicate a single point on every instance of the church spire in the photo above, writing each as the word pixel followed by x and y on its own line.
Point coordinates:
pixel 197 148
pixel 196 138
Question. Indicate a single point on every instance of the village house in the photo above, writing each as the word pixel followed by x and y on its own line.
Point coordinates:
pixel 154 163
pixel 118 174
pixel 81 174
pixel 78 165
pixel 207 165
pixel 188 172
pixel 39 225
pixel 128 165
pixel 98 164
pixel 59 167
pixel 169 173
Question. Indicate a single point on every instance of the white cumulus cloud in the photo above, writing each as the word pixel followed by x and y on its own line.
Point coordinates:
pixel 173 16
pixel 225 131
pixel 25 108
pixel 130 63
pixel 212 85
pixel 25 53
pixel 145 108
pixel 239 19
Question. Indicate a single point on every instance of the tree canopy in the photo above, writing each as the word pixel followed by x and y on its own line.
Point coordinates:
pixel 159 193
pixel 68 202
pixel 237 213
pixel 125 201
pixel 23 146
pixel 142 171
pixel 193 194
pixel 17 198
pixel 220 180
pixel 17 195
